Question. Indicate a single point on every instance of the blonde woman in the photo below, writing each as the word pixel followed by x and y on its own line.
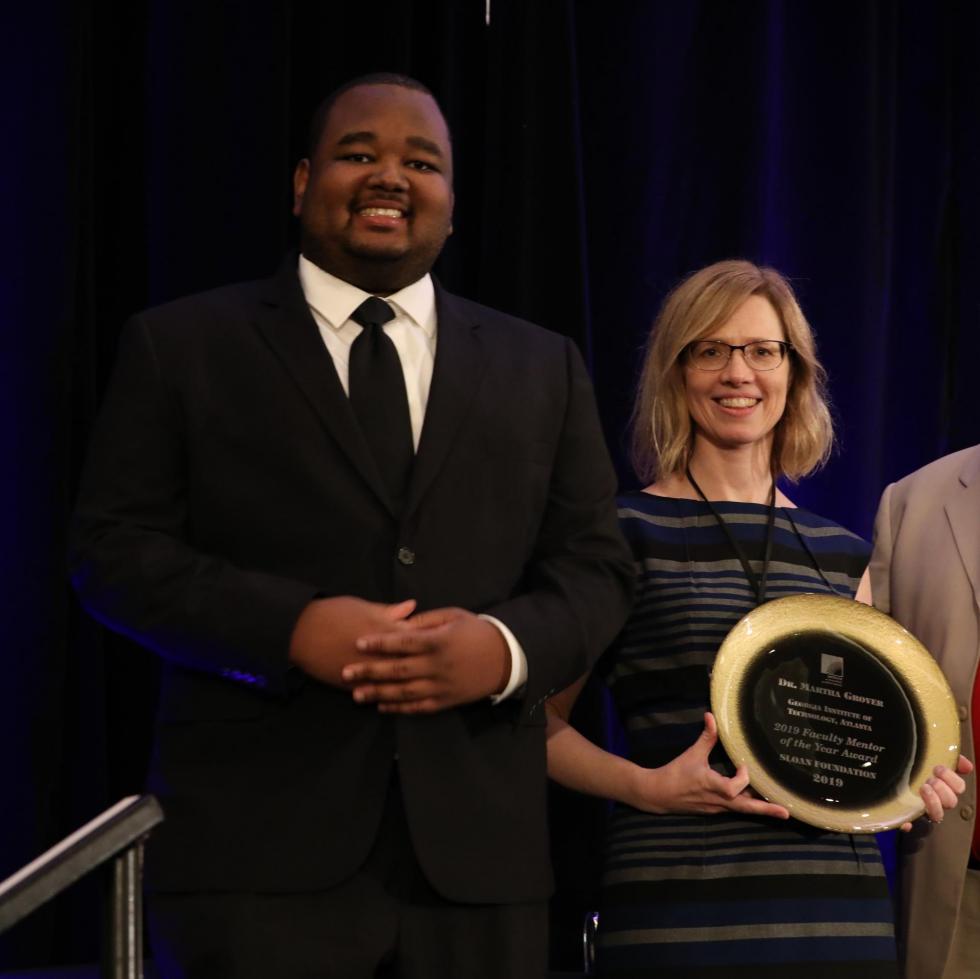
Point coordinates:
pixel 701 877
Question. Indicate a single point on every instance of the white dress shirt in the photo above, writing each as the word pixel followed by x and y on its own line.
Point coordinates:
pixel 413 332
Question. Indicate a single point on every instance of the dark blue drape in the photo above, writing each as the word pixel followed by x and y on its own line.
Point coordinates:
pixel 838 142
pixel 602 151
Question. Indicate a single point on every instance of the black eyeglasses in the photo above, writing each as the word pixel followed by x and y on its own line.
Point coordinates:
pixel 760 355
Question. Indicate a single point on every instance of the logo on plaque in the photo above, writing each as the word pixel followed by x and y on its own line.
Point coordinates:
pixel 832 668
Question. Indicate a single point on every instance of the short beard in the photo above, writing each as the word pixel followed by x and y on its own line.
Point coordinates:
pixel 373 272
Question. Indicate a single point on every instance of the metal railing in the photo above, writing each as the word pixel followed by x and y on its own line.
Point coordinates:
pixel 117 834
pixel 590 938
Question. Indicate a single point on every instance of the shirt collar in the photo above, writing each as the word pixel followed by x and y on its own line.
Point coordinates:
pixel 334 299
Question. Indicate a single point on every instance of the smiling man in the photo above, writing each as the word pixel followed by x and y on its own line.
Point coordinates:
pixel 369 528
pixel 376 199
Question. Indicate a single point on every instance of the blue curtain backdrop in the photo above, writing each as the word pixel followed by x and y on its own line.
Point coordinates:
pixel 603 151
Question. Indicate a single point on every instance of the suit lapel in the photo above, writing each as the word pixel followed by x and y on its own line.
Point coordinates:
pixel 963 513
pixel 285 321
pixel 456 375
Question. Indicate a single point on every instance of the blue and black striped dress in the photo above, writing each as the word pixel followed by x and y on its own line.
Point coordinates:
pixel 725 895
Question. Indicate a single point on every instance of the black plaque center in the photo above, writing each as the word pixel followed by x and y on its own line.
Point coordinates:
pixel 828 721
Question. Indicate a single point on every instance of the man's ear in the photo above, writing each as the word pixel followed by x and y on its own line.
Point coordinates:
pixel 300 177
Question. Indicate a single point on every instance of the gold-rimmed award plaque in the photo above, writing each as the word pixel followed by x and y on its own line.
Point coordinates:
pixel 838 712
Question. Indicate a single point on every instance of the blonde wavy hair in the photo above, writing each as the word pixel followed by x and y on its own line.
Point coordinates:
pixel 662 435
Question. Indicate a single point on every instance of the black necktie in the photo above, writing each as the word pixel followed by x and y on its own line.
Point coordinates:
pixel 377 395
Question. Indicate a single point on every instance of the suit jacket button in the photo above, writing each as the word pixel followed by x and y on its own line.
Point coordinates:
pixel 961 711
pixel 967 812
pixel 406 556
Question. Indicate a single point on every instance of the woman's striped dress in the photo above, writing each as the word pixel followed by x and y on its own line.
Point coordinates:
pixel 725 895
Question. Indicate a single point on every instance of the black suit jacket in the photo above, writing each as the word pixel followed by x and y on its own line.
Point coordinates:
pixel 227 485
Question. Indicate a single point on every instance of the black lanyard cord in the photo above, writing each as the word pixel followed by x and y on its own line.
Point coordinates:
pixel 758 582
pixel 813 557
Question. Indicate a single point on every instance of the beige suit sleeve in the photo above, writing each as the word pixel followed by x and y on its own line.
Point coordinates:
pixel 881 555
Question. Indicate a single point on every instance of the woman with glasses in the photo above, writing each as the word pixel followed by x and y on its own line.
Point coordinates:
pixel 701 877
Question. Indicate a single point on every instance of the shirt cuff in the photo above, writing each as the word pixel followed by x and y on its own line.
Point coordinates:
pixel 518 662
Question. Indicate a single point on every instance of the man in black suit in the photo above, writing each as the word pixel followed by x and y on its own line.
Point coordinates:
pixel 357 642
